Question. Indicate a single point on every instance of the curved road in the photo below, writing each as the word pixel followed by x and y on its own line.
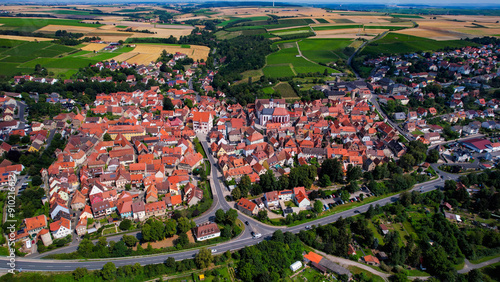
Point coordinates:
pixel 245 239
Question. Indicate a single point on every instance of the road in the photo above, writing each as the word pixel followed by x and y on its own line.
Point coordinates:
pixel 405 134
pixel 51 136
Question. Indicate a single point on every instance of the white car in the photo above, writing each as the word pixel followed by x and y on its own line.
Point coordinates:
pixel 213 250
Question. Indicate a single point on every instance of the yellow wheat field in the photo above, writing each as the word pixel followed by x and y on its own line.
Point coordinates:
pixel 25 38
pixel 432 34
pixel 68 28
pixel 125 56
pixel 144 53
pixel 94 47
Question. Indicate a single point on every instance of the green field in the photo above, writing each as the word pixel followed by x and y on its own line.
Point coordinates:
pixel 32 24
pixel 285 90
pixel 121 26
pixel 68 12
pixel 320 20
pixel 324 50
pixel 407 16
pixel 291 31
pixel 309 21
pixel 63 61
pixel 394 43
pixel 286 63
pixel 223 24
pixel 330 27
pixel 246 27
pixel 283 70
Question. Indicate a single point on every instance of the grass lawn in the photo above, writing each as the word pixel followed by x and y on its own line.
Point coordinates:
pixel 417 132
pixel 484 259
pixel 199 148
pixel 285 90
pixel 416 272
pixel 394 43
pixel 402 233
pixel 268 90
pixel 376 233
pixel 371 276
pixel 309 274
pixel 110 230
pixel 4 251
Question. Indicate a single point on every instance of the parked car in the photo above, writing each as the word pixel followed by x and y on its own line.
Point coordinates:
pixel 246 222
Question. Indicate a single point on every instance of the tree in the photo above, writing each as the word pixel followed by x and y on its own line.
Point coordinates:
pixel 407 161
pixel 79 273
pixel 332 168
pixel 236 193
pixel 231 216
pixel 318 206
pixel 325 181
pixel 262 215
pixel 433 156
pixel 167 104
pixel 130 241
pixel 188 103
pixel 353 173
pixel 126 224
pixel 220 216
pixel 405 198
pixel 108 271
pixel 203 258
pixel 182 240
pixel 36 181
pixel 184 224
pixel 107 137
pixel 170 228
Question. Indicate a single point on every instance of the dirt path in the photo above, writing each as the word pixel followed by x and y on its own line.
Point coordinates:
pixel 345 263
pixel 300 54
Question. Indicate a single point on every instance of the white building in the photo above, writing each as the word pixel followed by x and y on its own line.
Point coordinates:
pixel 296 266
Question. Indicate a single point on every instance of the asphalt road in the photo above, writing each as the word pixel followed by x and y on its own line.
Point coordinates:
pixel 406 135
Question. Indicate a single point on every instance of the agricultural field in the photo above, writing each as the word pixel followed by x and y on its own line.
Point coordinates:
pixel 285 90
pixel 145 53
pixel 24 38
pixel 287 62
pixel 31 25
pixel 292 31
pixel 332 27
pixel 321 20
pixel 324 50
pixel 94 47
pixel 394 43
